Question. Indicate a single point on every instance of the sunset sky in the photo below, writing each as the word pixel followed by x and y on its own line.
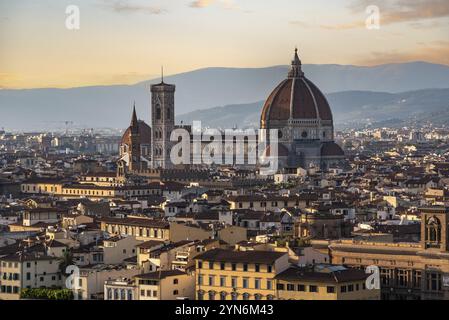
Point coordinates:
pixel 123 42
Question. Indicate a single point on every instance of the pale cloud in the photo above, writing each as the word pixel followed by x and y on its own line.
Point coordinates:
pixel 344 26
pixel 435 52
pixel 126 7
pixel 299 23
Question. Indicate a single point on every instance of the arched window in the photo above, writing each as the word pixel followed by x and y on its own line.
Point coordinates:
pixel 433 232
pixel 211 295
pixel 223 295
pixel 246 296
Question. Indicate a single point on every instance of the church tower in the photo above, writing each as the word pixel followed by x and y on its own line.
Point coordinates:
pixel 163 123
pixel 434 228
pixel 134 148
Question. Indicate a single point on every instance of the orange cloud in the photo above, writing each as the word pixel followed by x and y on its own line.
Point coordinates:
pixel 414 10
pixel 397 11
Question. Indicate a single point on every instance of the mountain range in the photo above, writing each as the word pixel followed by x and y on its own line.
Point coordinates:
pixel 378 92
pixel 350 108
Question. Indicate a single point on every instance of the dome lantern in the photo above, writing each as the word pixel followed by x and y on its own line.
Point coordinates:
pixel 296 67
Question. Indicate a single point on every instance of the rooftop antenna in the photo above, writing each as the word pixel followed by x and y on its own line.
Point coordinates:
pixel 162 74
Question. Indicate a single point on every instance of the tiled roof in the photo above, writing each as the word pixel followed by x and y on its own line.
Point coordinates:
pixel 221 255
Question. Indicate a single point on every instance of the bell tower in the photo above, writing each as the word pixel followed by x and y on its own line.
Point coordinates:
pixel 163 123
pixel 134 148
pixel 434 228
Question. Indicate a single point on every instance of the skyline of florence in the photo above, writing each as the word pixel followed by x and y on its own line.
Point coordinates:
pixel 281 151
pixel 127 42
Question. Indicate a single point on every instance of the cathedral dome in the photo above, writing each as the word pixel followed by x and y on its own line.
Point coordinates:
pixel 144 134
pixel 331 149
pixel 282 151
pixel 295 98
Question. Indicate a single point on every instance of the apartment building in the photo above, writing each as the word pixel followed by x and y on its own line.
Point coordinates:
pixel 44 215
pixel 118 248
pixel 271 202
pixel 165 285
pixel 91 280
pixel 41 186
pixel 155 255
pixel 238 275
pixel 142 228
pixel 88 189
pixel 324 282
pixel 120 289
pixel 27 270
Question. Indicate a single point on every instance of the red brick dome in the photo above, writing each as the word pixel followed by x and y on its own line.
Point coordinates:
pixel 297 98
pixel 282 151
pixel 144 134
pixel 331 149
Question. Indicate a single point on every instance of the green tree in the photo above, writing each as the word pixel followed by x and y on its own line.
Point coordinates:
pixel 65 261
pixel 46 294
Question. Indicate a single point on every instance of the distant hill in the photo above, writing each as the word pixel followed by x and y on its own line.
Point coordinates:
pixel 349 107
pixel 110 106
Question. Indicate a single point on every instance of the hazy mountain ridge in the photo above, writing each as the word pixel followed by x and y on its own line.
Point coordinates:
pixel 348 107
pixel 110 106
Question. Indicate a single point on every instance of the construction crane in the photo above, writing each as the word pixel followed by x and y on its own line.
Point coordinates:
pixel 67 123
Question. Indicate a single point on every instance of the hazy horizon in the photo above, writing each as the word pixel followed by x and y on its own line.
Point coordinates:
pixel 158 77
pixel 127 42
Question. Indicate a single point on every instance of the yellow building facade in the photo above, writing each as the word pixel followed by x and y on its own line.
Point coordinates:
pixel 324 282
pixel 238 275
